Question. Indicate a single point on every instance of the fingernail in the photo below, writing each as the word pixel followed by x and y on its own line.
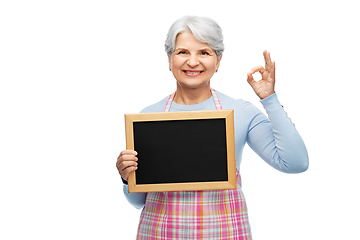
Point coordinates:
pixel 135 153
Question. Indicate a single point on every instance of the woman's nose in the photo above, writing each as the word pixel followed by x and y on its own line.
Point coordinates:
pixel 193 61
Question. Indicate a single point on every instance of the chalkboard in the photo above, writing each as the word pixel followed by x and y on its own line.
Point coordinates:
pixel 182 151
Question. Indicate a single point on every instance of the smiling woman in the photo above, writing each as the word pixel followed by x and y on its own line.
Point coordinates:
pixel 193 63
pixel 194 46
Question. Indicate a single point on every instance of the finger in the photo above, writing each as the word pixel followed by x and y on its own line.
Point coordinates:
pixel 250 79
pixel 273 67
pixel 128 158
pixel 267 58
pixel 124 165
pixel 127 152
pixel 257 69
pixel 127 164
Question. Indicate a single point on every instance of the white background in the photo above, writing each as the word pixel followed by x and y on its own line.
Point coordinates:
pixel 70 69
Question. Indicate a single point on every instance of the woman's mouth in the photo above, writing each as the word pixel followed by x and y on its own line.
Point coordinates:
pixel 192 73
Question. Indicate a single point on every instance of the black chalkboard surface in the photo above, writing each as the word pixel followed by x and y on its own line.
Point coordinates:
pixel 182 151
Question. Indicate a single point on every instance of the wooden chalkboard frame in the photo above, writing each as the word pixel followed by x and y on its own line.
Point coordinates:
pixel 227 115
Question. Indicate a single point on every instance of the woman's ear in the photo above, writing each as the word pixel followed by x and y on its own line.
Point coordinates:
pixel 169 58
pixel 218 62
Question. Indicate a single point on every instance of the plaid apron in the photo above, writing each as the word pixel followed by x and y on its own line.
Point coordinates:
pixel 214 214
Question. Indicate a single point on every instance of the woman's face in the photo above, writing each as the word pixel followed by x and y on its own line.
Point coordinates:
pixel 193 63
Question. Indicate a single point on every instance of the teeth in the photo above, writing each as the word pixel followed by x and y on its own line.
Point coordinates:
pixel 192 72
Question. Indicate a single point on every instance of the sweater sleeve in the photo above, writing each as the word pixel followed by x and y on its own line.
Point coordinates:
pixel 275 139
pixel 135 199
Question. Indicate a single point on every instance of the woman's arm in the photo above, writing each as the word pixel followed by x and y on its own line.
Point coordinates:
pixel 135 199
pixel 277 141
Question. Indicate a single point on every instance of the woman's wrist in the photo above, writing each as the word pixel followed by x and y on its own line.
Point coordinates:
pixel 124 181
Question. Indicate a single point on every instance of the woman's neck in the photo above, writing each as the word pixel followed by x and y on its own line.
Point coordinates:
pixel 192 96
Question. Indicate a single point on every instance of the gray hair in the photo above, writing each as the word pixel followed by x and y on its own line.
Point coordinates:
pixel 204 29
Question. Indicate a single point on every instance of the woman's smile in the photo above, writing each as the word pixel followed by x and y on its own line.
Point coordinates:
pixel 191 73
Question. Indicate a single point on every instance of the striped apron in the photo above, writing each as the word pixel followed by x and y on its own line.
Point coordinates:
pixel 214 214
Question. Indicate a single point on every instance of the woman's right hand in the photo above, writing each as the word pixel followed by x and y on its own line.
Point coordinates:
pixel 126 163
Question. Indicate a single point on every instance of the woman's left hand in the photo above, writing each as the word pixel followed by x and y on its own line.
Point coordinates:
pixel 266 86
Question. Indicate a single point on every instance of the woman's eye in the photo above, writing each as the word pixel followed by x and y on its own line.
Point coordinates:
pixel 204 53
pixel 182 52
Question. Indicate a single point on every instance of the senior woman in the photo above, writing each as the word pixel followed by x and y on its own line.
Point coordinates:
pixel 194 46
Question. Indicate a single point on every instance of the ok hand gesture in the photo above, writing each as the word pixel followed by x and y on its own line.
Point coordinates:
pixel 266 86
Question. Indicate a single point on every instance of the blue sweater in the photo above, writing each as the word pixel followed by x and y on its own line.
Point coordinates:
pixel 274 139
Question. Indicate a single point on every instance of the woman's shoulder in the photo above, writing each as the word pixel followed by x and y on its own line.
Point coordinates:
pixel 243 109
pixel 228 102
pixel 156 107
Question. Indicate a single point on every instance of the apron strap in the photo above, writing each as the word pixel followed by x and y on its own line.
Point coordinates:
pixel 215 97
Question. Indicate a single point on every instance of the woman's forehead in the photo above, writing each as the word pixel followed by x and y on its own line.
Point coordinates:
pixel 186 40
